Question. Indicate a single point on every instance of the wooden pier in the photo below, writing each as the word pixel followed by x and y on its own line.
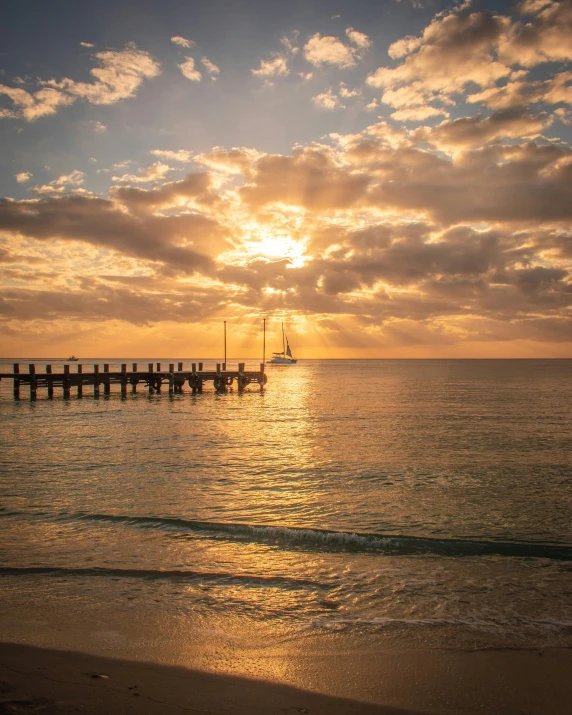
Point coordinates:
pixel 154 379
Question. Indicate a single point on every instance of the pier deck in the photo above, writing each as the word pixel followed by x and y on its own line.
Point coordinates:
pixel 154 378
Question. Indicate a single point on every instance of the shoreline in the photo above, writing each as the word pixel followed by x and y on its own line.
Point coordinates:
pixel 417 682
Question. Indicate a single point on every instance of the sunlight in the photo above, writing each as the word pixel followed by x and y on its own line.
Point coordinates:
pixel 275 245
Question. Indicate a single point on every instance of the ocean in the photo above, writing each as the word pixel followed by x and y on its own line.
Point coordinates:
pixel 399 503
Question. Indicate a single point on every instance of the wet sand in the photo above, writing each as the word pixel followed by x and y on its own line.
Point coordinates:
pixel 507 682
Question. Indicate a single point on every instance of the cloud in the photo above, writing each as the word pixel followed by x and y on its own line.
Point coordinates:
pixel 238 160
pixel 547 37
pixel 152 173
pixel 454 51
pixel 464 48
pixel 476 131
pixel 23 177
pixel 61 184
pixel 86 44
pixel 358 38
pixel 181 155
pixel 291 43
pixel 277 67
pixel 97 126
pixel 564 115
pixel 32 106
pixel 418 114
pixel 184 242
pixel 327 100
pixel 320 50
pixel 518 184
pixel 212 70
pixel 520 93
pixel 182 41
pixel 189 71
pixel 119 76
pixel 193 187
pixel 310 178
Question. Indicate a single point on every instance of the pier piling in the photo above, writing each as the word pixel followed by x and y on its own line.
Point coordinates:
pixel 50 381
pixel 66 381
pixel 222 378
pixel 106 385
pixel 124 380
pixel 33 382
pixel 16 381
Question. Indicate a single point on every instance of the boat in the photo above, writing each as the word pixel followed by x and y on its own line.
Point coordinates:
pixel 285 357
pixel 72 358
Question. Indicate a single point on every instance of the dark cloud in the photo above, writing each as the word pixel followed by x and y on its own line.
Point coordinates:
pixel 310 178
pixel 184 240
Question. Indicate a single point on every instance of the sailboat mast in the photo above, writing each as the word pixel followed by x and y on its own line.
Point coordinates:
pixel 283 343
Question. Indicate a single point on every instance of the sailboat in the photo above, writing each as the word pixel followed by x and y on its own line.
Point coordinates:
pixel 284 357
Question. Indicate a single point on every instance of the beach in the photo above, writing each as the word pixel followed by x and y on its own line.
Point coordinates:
pixel 39 680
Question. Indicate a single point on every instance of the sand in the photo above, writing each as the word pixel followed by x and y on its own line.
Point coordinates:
pixel 48 681
pixel 498 683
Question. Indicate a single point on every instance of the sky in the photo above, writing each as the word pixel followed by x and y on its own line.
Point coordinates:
pixel 388 179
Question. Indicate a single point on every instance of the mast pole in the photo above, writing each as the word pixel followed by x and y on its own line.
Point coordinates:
pixel 225 343
pixel 283 343
pixel 264 343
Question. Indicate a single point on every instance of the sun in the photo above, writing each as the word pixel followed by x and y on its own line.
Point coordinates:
pixel 275 245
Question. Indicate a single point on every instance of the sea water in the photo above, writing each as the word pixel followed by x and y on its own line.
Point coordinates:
pixel 420 502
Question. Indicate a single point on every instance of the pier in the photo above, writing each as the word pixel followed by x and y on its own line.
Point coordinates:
pixel 154 379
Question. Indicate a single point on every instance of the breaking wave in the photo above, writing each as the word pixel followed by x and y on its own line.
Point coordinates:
pixel 329 540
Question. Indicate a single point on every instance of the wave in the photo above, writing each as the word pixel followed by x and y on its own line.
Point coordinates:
pixel 329 540
pixel 175 575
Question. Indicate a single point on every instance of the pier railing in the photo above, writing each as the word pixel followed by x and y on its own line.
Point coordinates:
pixel 154 378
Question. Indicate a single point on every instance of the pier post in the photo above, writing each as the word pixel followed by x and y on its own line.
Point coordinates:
pixel 66 381
pixel 158 367
pixel 50 381
pixel 180 367
pixel 171 378
pixel 150 382
pixel 16 381
pixel 106 383
pixel 134 380
pixel 262 377
pixel 80 381
pixel 33 383
pixel 239 380
pixel 219 385
pixel 124 380
pixel 193 379
pixel 96 381
pixel 200 367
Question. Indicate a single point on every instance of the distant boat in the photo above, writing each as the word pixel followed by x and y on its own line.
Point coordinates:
pixel 72 358
pixel 285 357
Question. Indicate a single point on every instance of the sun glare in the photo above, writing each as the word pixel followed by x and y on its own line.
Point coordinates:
pixel 275 245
